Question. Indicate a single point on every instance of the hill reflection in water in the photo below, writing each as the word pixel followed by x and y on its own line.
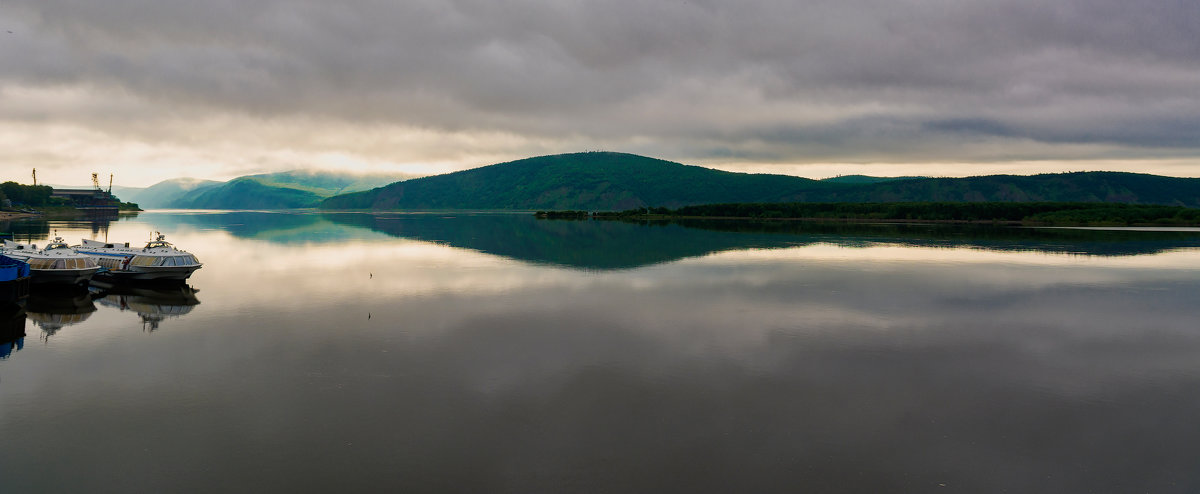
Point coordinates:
pixel 608 245
pixel 605 245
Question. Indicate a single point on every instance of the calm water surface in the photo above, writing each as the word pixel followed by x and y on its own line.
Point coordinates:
pixel 497 353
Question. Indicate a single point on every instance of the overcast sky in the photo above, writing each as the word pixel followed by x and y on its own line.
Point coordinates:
pixel 154 89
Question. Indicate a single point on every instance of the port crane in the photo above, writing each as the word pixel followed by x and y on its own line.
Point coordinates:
pixel 96 182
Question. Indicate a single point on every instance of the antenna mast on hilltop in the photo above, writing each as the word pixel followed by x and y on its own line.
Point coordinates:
pixel 35 176
pixel 110 177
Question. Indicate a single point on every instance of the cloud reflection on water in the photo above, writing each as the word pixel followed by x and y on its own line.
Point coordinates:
pixel 822 367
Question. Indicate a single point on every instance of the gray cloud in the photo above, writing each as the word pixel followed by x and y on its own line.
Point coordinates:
pixel 762 80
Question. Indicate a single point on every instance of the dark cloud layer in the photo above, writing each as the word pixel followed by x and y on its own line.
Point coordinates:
pixel 763 79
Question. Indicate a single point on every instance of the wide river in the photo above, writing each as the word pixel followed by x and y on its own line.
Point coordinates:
pixel 460 352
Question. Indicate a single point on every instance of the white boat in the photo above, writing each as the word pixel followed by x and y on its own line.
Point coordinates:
pixel 158 260
pixel 56 263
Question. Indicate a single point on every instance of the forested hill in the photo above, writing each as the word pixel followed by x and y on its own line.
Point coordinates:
pixel 596 180
pixel 618 181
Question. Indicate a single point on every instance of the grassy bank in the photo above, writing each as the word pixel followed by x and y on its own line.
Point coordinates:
pixel 64 212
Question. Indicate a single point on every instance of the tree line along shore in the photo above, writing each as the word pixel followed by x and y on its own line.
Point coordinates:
pixel 1015 213
pixel 18 201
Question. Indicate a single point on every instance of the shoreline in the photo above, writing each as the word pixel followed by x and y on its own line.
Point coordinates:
pixel 913 221
pixel 14 215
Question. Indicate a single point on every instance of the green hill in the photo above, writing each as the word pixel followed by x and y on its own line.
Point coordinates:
pixel 618 181
pixel 597 180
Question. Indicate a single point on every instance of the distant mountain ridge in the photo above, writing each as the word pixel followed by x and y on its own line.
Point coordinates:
pixel 246 193
pixel 284 190
pixel 160 195
pixel 619 181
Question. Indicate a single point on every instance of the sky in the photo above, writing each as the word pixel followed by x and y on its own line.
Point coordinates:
pixel 154 89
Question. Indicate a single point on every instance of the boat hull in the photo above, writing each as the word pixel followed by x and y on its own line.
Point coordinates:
pixel 62 276
pixel 150 273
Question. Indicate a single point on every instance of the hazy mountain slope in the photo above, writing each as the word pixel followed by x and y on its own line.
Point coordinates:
pixel 247 193
pixel 600 180
pixel 160 195
pixel 294 189
pixel 326 184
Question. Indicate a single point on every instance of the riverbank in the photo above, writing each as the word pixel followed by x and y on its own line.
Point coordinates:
pixel 1027 214
pixel 818 219
pixel 64 212
pixel 15 215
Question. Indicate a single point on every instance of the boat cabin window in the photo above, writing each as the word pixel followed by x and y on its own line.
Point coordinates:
pixel 41 263
pixel 79 263
pixel 177 261
pixel 143 261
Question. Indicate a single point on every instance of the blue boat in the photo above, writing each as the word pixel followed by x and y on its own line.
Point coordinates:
pixel 14 280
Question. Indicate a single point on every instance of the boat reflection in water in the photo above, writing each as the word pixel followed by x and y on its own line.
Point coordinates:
pixel 55 309
pixel 12 328
pixel 153 303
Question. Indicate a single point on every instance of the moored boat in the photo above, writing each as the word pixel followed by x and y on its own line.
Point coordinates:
pixel 56 263
pixel 158 260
